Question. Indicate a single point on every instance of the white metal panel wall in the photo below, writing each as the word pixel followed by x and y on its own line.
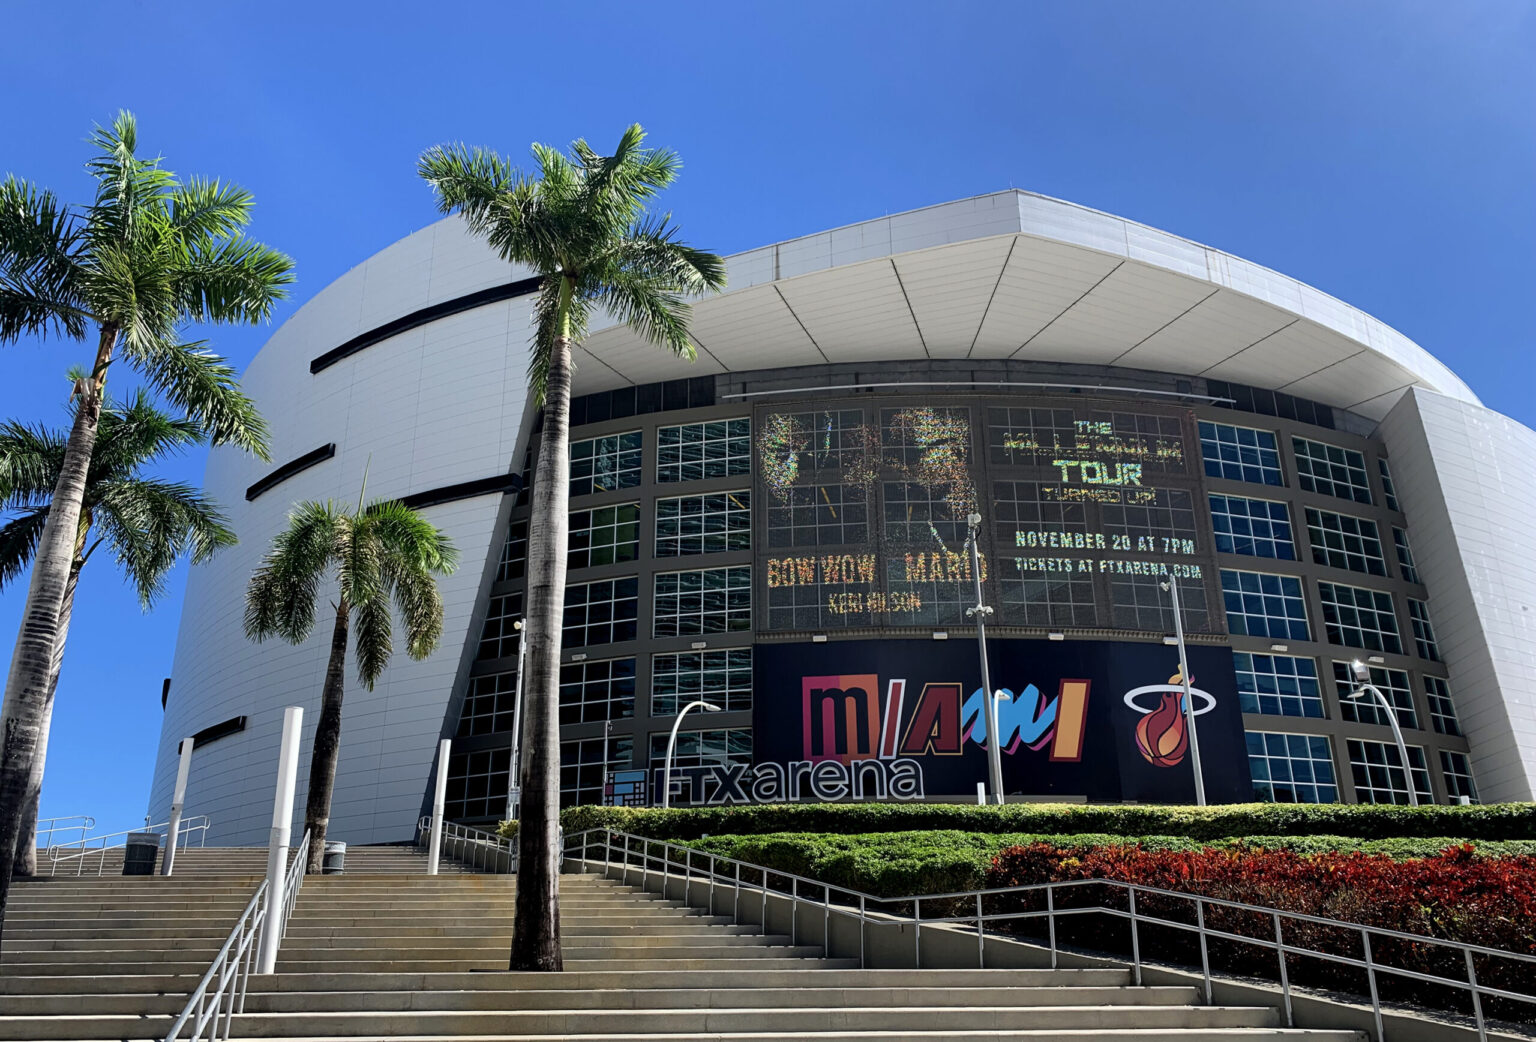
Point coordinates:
pixel 1466 477
pixel 431 407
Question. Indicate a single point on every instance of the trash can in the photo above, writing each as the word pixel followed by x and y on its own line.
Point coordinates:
pixel 335 860
pixel 139 853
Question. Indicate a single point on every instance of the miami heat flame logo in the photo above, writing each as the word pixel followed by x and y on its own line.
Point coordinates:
pixel 1161 734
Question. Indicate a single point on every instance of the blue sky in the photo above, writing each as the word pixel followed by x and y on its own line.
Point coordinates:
pixel 1382 151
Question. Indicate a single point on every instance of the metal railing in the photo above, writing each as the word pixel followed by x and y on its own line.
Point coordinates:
pixel 472 847
pixel 80 852
pixel 293 883
pixel 211 1008
pixel 47 828
pixel 702 868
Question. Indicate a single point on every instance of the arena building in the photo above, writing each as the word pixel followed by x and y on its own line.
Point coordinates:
pixel 780 529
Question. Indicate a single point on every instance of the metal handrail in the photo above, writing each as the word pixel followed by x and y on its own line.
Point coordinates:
pixel 856 904
pixel 88 845
pixel 48 826
pixel 293 884
pixel 232 968
pixel 476 848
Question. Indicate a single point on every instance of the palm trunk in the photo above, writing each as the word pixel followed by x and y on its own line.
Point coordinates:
pixel 536 924
pixel 29 681
pixel 327 749
pixel 26 841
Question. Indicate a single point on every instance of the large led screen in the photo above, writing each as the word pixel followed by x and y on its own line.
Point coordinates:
pixel 1087 507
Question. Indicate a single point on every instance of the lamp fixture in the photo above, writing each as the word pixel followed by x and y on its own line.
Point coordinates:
pixel 941 634
pixel 1279 647
pixel 699 645
pixel 818 638
pixel 1055 636
pixel 1376 660
pixel 1172 642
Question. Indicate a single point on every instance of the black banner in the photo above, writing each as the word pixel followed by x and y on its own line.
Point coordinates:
pixel 903 719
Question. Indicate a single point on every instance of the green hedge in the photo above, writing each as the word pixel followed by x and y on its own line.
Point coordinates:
pixel 1501 821
pixel 898 864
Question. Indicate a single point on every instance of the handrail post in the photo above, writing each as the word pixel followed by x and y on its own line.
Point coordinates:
pixel 1477 998
pixel 439 800
pixel 917 933
pixel 1205 955
pixel 1370 976
pixel 863 922
pixel 1135 937
pixel 277 847
pixel 1050 919
pixel 1285 977
pixel 826 920
pixel 981 938
pixel 178 801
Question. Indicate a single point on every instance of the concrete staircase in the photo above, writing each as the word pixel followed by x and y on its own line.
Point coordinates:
pixel 223 862
pixel 402 957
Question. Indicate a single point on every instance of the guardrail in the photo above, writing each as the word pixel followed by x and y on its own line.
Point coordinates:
pixel 80 851
pixel 49 827
pixel 472 847
pixel 211 1012
pixel 700 867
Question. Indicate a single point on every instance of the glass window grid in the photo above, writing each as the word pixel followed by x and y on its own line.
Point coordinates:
pixel 583 772
pixel 707 523
pixel 596 692
pixel 723 678
pixel 805 608
pixel 1253 527
pixel 498 637
pixel 704 600
pixel 702 748
pixel 1240 453
pixel 1053 599
pixel 1442 711
pixel 1365 709
pixel 606 464
pixel 1388 490
pixel 1291 768
pixel 834 439
pixel 1260 604
pixel 1040 435
pixel 941 602
pixel 1138 602
pixel 1278 685
pixel 488 705
pixel 477 784
pixel 1359 618
pixel 1331 470
pixel 1457 771
pixel 820 515
pixel 514 552
pixel 1378 772
pixel 1172 514
pixel 711 449
pixel 1423 630
pixel 900 430
pixel 914 513
pixel 1343 541
pixel 1047 427
pixel 604 535
pixel 1404 555
pixel 601 612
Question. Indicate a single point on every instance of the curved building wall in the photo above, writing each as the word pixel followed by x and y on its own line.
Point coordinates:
pixel 412 365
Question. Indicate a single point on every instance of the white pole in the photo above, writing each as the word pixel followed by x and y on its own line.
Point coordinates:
pixel 1189 702
pixel 178 801
pixel 514 762
pixel 277 846
pixel 1397 735
pixel 439 798
pixel 980 613
pixel 666 774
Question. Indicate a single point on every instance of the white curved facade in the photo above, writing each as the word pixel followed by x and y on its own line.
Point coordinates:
pixel 1005 277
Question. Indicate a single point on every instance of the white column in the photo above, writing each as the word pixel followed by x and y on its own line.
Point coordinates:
pixel 178 801
pixel 277 846
pixel 439 798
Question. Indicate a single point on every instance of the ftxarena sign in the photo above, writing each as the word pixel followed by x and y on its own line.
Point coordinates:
pixel 904 720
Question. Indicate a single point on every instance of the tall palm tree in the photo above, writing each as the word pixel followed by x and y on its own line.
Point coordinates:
pixel 148 256
pixel 582 225
pixel 382 553
pixel 147 523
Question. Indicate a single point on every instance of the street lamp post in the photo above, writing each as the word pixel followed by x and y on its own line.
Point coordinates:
pixel 666 775
pixel 514 781
pixel 1172 586
pixel 980 613
pixel 1363 679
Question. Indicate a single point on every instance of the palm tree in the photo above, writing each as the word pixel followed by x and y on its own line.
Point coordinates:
pixel 148 256
pixel 583 226
pixel 147 523
pixel 381 553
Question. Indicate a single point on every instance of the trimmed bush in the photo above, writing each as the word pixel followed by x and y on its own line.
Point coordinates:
pixel 1502 821
pixel 1488 901
pixel 902 864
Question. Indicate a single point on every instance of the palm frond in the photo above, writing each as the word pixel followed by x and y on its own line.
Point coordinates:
pixel 372 638
pixel 650 308
pixel 152 524
pixel 18 543
pixel 280 599
pixel 130 192
pixel 233 280
pixel 202 209
pixel 205 387
pixel 39 274
pixel 420 605
pixel 136 433
pixel 30 460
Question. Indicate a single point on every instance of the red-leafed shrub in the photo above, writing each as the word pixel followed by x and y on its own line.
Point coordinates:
pixel 1456 895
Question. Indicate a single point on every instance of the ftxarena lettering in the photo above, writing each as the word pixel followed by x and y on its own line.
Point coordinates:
pixel 730 783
